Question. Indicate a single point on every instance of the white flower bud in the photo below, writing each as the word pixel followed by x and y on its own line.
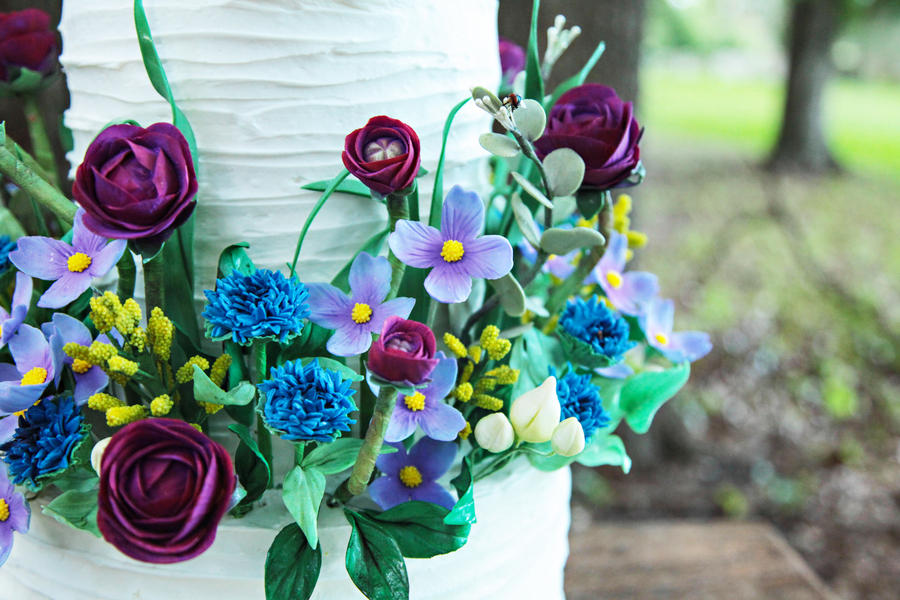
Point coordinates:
pixel 535 414
pixel 568 438
pixel 97 453
pixel 494 433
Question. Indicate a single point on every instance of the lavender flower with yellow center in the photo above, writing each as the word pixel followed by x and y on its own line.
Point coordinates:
pixel 682 346
pixel 36 366
pixel 21 302
pixel 628 292
pixel 414 476
pixel 89 378
pixel 72 267
pixel 14 514
pixel 356 317
pixel 457 252
pixel 425 408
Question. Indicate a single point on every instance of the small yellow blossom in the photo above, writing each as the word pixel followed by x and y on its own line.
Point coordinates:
pixel 488 402
pixel 186 372
pixel 103 402
pixel 138 340
pixel 161 405
pixel 466 431
pixel 159 334
pixel 123 415
pixel 467 371
pixel 475 353
pixel 122 365
pixel 499 348
pixel 456 346
pixel 99 353
pixel 489 334
pixel 211 408
pixel 463 392
pixel 220 369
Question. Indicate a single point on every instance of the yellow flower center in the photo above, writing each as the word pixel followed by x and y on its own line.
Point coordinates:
pixel 415 402
pixel 35 376
pixel 410 476
pixel 4 510
pixel 452 251
pixel 81 366
pixel 615 279
pixel 78 262
pixel 362 313
pixel 662 338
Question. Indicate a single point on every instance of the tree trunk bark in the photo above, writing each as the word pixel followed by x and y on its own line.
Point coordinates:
pixel 801 143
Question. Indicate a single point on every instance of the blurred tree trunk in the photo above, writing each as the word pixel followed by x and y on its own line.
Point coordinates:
pixel 619 23
pixel 801 143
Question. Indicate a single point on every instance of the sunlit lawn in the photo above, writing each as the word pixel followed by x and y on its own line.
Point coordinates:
pixel 862 119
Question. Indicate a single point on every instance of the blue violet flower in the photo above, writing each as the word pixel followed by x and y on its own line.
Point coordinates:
pixel 15 514
pixel 308 403
pixel 580 398
pixel 414 476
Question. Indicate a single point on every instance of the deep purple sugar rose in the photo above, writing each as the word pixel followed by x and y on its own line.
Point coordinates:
pixel 512 60
pixel 137 183
pixel 594 122
pixel 164 487
pixel 384 155
pixel 404 353
pixel 26 40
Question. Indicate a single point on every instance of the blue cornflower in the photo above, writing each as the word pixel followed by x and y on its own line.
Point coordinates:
pixel 308 403
pixel 6 246
pixel 48 433
pixel 595 324
pixel 264 304
pixel 580 398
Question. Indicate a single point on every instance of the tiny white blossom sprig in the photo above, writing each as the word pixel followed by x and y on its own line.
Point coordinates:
pixel 558 40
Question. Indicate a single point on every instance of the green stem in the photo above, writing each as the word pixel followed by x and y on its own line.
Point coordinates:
pixel 367 398
pixel 20 174
pixel 299 452
pixel 127 276
pixel 154 283
pixel 39 219
pixel 263 436
pixel 40 142
pixel 398 209
pixel 365 462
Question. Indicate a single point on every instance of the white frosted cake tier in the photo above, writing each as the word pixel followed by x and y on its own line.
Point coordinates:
pixel 516 550
pixel 272 88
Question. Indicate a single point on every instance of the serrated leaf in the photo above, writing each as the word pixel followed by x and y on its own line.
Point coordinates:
pixel 292 566
pixel 525 221
pixel 76 509
pixel 531 119
pixel 302 493
pixel 565 171
pixel 646 392
pixel 374 561
pixel 419 529
pixel 207 391
pixel 463 512
pixel 351 185
pixel 532 190
pixel 512 297
pixel 563 241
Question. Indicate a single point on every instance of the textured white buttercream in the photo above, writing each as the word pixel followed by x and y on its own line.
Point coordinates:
pixel 516 550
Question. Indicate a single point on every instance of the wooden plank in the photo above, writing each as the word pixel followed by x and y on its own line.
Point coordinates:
pixel 687 561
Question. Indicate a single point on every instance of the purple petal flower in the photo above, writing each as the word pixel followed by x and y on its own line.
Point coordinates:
pixel 628 292
pixel 89 379
pixel 684 346
pixel 72 267
pixel 414 476
pixel 439 421
pixel 355 318
pixel 8 427
pixel 19 517
pixel 558 266
pixel 617 371
pixel 22 385
pixel 456 253
pixel 21 302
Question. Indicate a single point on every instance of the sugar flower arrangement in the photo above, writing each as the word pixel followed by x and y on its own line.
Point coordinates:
pixel 105 405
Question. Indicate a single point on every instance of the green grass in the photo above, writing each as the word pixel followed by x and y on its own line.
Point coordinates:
pixel 862 119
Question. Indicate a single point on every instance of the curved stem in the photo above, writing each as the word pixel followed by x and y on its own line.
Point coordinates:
pixel 263 437
pixel 365 461
pixel 40 142
pixel 20 174
pixel 398 209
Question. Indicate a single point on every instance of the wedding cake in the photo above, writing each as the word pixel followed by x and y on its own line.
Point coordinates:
pixel 272 88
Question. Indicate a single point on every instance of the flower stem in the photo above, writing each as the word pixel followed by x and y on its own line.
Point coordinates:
pixel 398 209
pixel 26 179
pixel 299 452
pixel 263 436
pixel 367 398
pixel 127 276
pixel 40 143
pixel 365 461
pixel 154 283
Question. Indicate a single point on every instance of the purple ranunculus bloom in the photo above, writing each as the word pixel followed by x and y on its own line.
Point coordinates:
pixel 164 487
pixel 404 354
pixel 21 302
pixel 15 515
pixel 425 408
pixel 414 476
pixel 384 155
pixel 23 384
pixel 137 183
pixel 355 318
pixel 26 41
pixel 89 379
pixel 683 346
pixel 594 122
pixel 628 292
pixel 71 266
pixel 512 60
pixel 456 253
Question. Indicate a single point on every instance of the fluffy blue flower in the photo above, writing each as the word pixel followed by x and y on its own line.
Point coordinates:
pixel 308 403
pixel 265 304
pixel 595 324
pixel 6 246
pixel 580 398
pixel 43 443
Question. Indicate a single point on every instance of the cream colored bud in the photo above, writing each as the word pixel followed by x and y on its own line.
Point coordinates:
pixel 535 414
pixel 568 438
pixel 97 453
pixel 494 433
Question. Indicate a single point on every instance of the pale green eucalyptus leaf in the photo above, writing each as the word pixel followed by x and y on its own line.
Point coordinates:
pixel 565 171
pixel 531 119
pixel 512 297
pixel 499 145
pixel 532 190
pixel 207 391
pixel 563 241
pixel 525 222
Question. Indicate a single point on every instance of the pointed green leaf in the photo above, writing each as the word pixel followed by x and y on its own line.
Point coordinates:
pixel 292 566
pixel 250 465
pixel 463 512
pixel 525 221
pixel 76 509
pixel 337 456
pixel 419 529
pixel 235 258
pixel 605 450
pixel 577 79
pixel 315 211
pixel 374 561
pixel 302 493
pixel 437 196
pixel 351 185
pixel 207 391
pixel 372 246
pixel 333 365
pixel 534 82
pixel 646 392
